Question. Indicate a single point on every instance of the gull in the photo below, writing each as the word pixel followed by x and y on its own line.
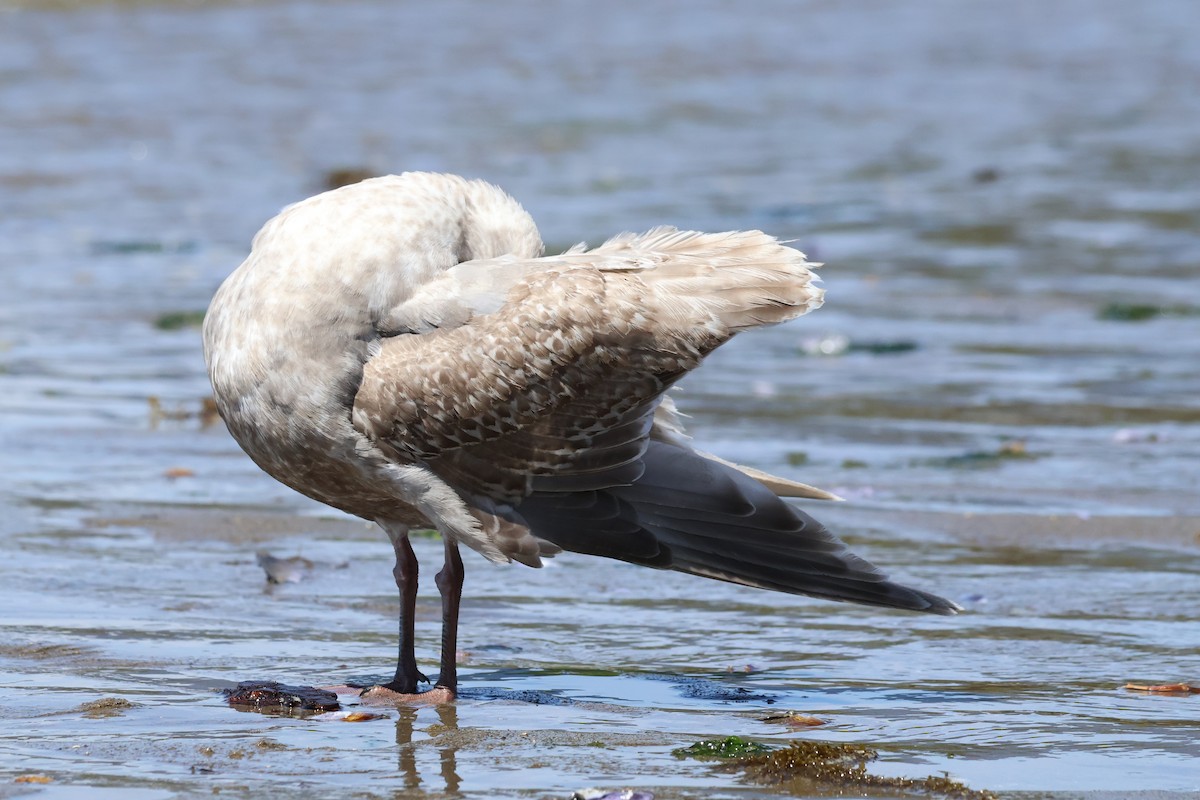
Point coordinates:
pixel 402 350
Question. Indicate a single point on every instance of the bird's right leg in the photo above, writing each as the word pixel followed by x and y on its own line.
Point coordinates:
pixel 405 571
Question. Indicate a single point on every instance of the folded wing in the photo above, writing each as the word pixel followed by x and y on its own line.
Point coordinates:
pixel 514 375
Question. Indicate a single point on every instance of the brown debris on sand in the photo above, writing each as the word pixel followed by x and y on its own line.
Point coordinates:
pixel 1164 688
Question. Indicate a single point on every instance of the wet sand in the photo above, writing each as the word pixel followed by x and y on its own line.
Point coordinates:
pixel 588 672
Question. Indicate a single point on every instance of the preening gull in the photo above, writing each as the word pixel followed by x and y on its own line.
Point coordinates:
pixel 400 349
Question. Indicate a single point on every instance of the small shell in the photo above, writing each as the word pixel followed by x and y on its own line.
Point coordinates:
pixel 349 716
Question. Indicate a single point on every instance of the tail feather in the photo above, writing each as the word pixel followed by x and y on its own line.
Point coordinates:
pixel 721 547
pixel 745 279
pixel 698 516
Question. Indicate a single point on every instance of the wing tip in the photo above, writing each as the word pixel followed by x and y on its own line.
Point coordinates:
pixel 937 605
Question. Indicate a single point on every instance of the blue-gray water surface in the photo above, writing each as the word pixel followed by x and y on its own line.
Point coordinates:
pixel 1004 384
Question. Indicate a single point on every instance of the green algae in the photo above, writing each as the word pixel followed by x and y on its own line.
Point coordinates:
pixel 728 747
pixel 797 459
pixel 178 320
pixel 1140 312
pixel 345 176
pixel 829 767
pixel 123 247
pixel 1013 450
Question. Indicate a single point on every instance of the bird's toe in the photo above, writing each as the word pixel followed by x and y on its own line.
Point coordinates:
pixel 385 696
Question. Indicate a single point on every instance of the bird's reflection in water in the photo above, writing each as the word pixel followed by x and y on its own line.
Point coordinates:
pixel 407 754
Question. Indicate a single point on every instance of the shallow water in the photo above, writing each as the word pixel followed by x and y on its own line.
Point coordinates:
pixel 987 183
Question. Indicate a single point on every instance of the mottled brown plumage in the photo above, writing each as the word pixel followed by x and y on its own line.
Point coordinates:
pixel 401 350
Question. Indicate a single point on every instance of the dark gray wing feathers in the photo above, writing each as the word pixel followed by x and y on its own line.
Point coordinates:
pixel 694 515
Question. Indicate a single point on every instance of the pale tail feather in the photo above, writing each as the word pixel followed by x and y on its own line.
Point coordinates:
pixel 746 278
pixel 781 487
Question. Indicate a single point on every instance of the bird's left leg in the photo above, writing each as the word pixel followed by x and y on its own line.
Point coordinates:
pixel 405 572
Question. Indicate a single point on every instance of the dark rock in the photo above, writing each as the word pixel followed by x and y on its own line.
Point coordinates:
pixel 273 697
